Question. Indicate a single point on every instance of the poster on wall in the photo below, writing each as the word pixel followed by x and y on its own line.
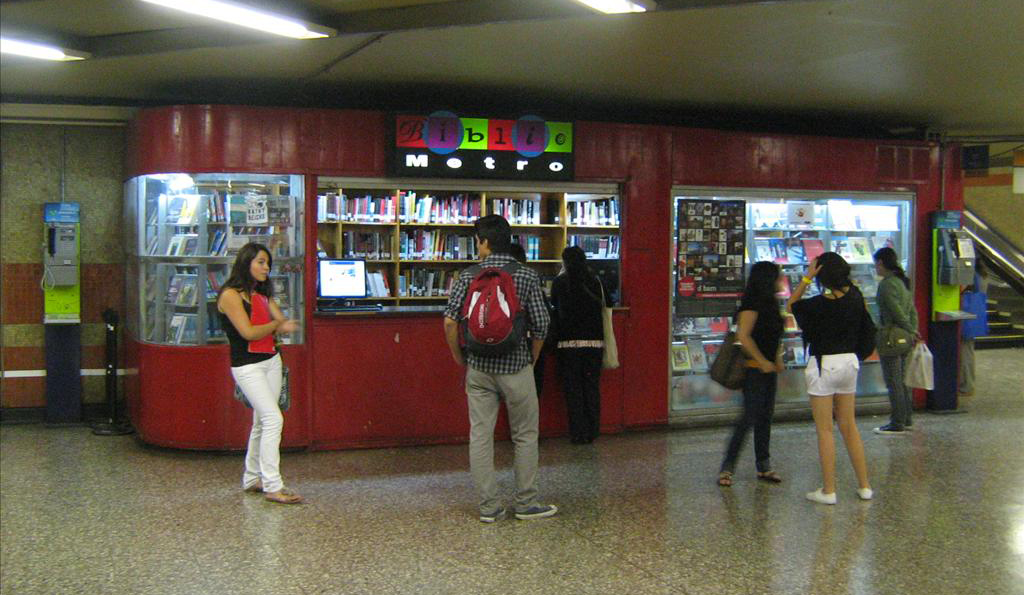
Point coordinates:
pixel 710 248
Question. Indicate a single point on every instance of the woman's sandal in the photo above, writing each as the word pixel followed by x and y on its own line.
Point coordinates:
pixel 769 476
pixel 285 496
pixel 725 479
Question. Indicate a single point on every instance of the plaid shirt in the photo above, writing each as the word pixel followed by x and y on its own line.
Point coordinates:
pixel 530 296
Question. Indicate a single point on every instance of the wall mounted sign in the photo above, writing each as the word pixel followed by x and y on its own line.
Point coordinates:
pixel 444 145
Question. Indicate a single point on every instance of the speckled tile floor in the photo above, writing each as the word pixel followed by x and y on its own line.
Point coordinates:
pixel 640 514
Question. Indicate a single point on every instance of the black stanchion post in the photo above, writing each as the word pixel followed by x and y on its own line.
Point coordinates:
pixel 112 426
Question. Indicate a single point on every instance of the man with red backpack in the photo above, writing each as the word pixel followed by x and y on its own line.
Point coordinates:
pixel 491 307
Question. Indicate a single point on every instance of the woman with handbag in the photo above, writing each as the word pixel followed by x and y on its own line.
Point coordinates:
pixel 577 301
pixel 250 317
pixel 897 336
pixel 832 325
pixel 759 331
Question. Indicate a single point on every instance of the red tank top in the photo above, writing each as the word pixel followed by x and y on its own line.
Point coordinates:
pixel 261 315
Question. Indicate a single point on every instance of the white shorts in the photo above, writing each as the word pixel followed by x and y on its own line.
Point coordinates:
pixel 838 375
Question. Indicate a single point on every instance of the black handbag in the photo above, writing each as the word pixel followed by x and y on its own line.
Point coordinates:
pixel 894 341
pixel 730 365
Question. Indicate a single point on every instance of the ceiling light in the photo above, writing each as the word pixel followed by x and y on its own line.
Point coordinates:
pixel 248 17
pixel 618 6
pixel 40 51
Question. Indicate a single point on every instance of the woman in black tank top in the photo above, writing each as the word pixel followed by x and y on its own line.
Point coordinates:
pixel 250 319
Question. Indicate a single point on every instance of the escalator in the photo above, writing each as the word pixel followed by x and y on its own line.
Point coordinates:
pixel 1005 263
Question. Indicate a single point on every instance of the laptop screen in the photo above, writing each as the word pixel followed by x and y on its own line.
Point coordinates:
pixel 342 279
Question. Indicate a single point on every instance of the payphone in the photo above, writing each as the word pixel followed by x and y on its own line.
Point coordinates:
pixel 952 266
pixel 955 252
pixel 62 311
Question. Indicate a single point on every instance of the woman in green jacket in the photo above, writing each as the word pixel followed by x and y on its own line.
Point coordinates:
pixel 895 307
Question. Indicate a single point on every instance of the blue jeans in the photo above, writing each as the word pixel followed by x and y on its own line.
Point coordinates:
pixel 758 408
pixel 893 369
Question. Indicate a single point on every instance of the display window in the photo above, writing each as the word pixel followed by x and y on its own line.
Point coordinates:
pixel 414 236
pixel 186 231
pixel 719 234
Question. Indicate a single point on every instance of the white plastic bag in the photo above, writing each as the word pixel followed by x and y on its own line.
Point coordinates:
pixel 919 368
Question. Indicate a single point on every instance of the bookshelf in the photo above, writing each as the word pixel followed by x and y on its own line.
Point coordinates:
pixel 417 236
pixel 188 231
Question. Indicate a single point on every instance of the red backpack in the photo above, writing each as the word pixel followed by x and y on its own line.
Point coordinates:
pixel 493 321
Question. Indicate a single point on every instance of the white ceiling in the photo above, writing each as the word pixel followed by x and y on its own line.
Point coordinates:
pixel 850 66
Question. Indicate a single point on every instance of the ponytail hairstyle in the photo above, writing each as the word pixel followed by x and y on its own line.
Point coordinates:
pixel 760 288
pixel 834 273
pixel 887 258
pixel 241 278
pixel 581 278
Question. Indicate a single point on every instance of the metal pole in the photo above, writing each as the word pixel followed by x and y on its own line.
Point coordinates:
pixel 111 426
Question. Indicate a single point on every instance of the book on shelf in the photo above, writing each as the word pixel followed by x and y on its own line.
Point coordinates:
pixel 813 248
pixel 174 245
pixel 698 360
pixel 604 247
pixel 719 324
pixel 842 247
pixel 530 244
pixel 173 288
pixel 186 292
pixel 378 284
pixel 860 250
pixel 600 211
pixel 778 249
pixel 680 358
pixel 711 349
pixel 426 282
pixel 176 328
pixel 188 210
pixel 372 245
pixel 763 251
pixel 795 253
pixel 518 211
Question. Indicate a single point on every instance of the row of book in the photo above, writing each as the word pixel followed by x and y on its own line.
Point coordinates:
pixel 421 244
pixel 696 355
pixel 424 282
pixel 597 246
pixel 530 244
pixel 602 211
pixel 518 211
pixel 377 284
pixel 717 325
pixel 856 250
pixel 372 245
pixel 365 209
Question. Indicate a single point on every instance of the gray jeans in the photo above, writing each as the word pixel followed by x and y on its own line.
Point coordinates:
pixel 900 395
pixel 483 392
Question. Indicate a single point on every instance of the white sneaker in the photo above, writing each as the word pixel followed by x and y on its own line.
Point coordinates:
pixel 821 497
pixel 865 493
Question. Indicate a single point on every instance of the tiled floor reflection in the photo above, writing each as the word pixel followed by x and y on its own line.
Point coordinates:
pixel 641 514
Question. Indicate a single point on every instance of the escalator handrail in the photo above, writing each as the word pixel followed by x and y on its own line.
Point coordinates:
pixel 998 249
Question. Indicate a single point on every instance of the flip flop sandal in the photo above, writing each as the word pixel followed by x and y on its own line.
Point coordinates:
pixel 769 476
pixel 725 479
pixel 283 497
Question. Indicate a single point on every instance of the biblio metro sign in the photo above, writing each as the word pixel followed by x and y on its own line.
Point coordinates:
pixel 444 145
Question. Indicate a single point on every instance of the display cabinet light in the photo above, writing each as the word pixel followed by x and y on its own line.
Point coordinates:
pixel 244 16
pixel 619 6
pixel 39 51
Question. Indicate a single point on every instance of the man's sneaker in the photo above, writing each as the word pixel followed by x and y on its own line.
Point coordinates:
pixel 890 429
pixel 492 517
pixel 537 512
pixel 821 497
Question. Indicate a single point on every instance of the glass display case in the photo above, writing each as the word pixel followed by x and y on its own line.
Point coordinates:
pixel 184 231
pixel 719 234
pixel 416 236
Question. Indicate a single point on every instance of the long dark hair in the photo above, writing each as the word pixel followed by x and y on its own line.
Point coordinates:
pixel 582 280
pixel 760 289
pixel 887 258
pixel 834 273
pixel 241 277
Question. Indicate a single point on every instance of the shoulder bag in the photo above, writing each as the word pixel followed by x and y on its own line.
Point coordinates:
pixel 730 365
pixel 610 357
pixel 895 340
pixel 284 400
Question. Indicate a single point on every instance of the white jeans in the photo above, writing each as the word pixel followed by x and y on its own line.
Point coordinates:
pixel 261 383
